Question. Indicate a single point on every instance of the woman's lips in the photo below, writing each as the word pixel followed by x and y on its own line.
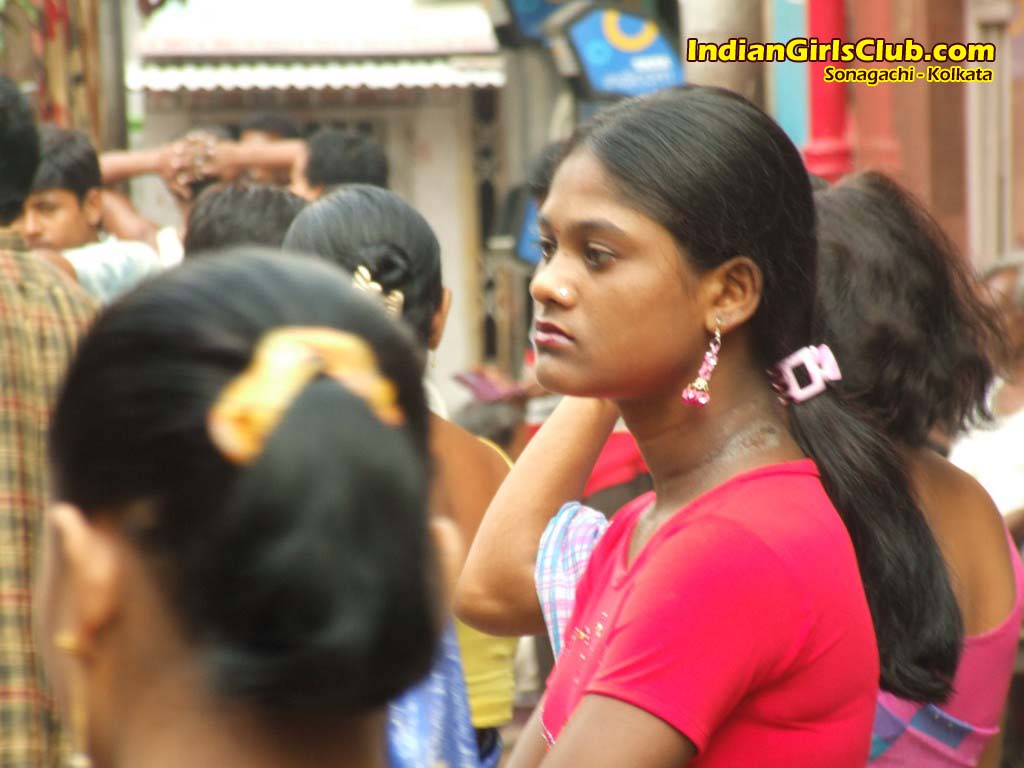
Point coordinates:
pixel 551 336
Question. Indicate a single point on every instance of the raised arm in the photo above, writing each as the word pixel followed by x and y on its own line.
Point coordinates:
pixel 229 158
pixel 123 164
pixel 121 219
pixel 496 592
pixel 175 163
pixel 197 156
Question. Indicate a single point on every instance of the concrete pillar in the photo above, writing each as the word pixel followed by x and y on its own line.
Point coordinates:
pixel 443 191
pixel 528 100
pixel 989 137
pixel 715 21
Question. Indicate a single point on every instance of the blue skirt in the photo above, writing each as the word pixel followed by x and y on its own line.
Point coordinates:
pixel 429 725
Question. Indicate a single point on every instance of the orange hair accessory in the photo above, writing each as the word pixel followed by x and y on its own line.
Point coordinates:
pixel 284 362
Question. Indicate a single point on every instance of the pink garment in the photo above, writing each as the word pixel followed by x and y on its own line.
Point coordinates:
pixel 742 623
pixel 906 733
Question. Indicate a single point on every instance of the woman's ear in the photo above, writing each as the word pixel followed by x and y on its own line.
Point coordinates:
pixel 733 293
pixel 92 562
pixel 440 319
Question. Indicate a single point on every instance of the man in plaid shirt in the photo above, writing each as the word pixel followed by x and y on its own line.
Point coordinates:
pixel 42 313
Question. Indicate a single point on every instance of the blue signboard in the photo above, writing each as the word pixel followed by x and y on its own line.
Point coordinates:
pixel 530 15
pixel 623 53
pixel 528 236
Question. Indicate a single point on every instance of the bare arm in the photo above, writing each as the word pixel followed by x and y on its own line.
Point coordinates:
pixel 467 474
pixel 530 748
pixel 993 754
pixel 451 552
pixel 230 158
pixel 123 164
pixel 605 732
pixel 197 156
pixel 121 219
pixel 174 163
pixel 496 592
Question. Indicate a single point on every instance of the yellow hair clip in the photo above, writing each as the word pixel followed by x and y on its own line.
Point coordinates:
pixel 393 301
pixel 284 362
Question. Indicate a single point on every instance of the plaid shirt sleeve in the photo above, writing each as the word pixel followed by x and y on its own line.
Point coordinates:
pixel 565 549
pixel 42 314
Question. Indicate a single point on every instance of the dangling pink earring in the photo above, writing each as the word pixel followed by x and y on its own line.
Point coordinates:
pixel 698 393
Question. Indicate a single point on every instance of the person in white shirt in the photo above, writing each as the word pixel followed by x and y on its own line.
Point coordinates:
pixel 63 215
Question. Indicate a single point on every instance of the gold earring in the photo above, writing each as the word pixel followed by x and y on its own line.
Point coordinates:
pixel 79 758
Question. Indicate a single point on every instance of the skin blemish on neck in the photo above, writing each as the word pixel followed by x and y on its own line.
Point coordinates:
pixel 759 435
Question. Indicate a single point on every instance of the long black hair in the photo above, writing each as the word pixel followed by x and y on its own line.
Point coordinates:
pixel 725 181
pixel 366 226
pixel 305 580
pixel 904 317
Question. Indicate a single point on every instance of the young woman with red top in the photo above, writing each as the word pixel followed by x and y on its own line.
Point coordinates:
pixel 726 619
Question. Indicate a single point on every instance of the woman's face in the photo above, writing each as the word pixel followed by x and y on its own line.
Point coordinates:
pixel 617 309
pixel 95 615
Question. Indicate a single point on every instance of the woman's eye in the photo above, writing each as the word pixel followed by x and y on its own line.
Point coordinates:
pixel 547 248
pixel 597 257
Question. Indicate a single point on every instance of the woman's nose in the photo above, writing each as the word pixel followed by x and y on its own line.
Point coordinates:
pixel 550 284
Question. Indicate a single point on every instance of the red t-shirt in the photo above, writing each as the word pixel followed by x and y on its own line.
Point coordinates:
pixel 742 623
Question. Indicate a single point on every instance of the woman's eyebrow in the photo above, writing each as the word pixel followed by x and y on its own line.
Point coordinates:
pixel 585 226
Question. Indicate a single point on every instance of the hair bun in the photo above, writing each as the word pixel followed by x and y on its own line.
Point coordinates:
pixel 389 264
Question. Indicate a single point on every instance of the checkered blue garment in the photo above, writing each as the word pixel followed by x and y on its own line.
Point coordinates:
pixel 565 549
pixel 908 733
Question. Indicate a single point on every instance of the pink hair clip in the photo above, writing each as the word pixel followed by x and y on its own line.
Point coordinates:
pixel 820 366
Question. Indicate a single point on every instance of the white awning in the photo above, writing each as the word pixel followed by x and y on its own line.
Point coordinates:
pixel 373 74
pixel 333 29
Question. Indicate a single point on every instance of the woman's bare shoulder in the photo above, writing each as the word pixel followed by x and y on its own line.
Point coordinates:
pixel 972 536
pixel 952 496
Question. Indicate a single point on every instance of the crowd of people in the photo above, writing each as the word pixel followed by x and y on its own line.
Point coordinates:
pixel 759 493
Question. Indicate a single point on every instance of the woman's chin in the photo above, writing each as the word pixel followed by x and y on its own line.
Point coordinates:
pixel 557 377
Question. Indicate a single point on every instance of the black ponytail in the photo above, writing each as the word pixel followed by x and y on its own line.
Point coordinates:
pixel 725 180
pixel 304 580
pixel 917 621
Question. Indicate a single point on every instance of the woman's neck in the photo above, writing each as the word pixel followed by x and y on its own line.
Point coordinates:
pixel 194 730
pixel 690 450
